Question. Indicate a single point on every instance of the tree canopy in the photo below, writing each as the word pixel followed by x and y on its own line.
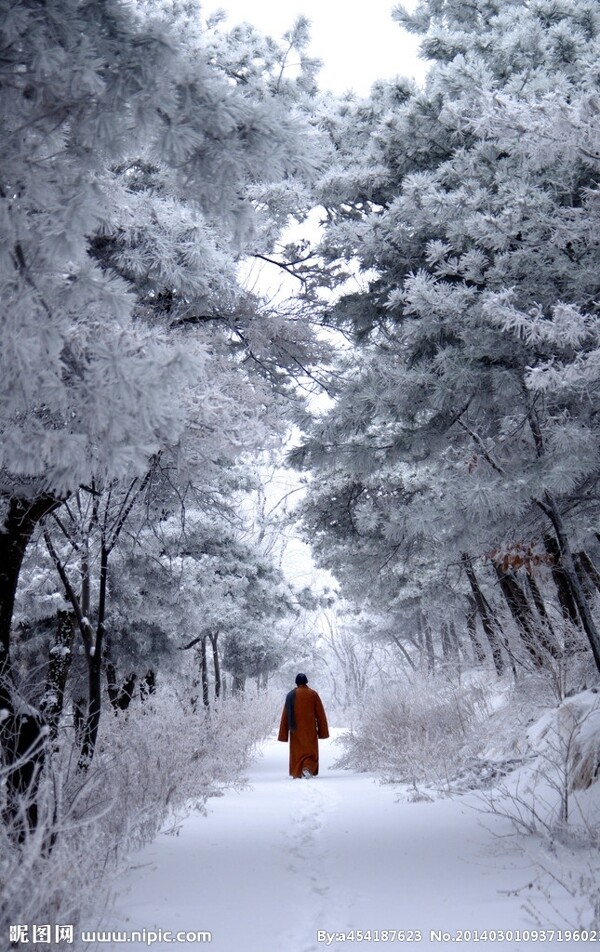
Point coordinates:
pixel 465 411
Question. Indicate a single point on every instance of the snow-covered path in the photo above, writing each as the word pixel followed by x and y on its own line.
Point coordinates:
pixel 275 863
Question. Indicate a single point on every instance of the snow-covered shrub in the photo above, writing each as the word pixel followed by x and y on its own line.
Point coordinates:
pixel 571 672
pixel 553 797
pixel 555 792
pixel 153 762
pixel 57 874
pixel 417 732
pixel 163 756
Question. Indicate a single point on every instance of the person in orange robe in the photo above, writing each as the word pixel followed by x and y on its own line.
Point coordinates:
pixel 304 720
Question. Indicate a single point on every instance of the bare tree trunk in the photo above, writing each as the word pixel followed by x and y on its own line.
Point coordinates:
pixel 568 566
pixel 119 695
pixel 565 595
pixel 79 709
pixel 430 654
pixel 521 611
pixel 109 530
pixel 214 635
pixel 584 579
pixel 92 717
pixel 21 520
pixel 453 642
pixel 587 566
pixel 471 617
pixel 111 683
pixel 24 747
pixel 22 729
pixel 94 659
pixel 538 600
pixel 403 651
pixel 204 671
pixel 449 642
pixel 490 625
pixel 61 654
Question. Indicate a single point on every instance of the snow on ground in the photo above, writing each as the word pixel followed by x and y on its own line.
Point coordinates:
pixel 274 863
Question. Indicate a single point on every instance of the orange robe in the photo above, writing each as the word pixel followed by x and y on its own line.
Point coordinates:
pixel 311 724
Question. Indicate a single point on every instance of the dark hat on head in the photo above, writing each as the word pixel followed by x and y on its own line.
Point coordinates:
pixel 301 679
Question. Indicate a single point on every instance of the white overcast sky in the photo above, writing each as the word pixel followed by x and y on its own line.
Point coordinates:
pixel 357 42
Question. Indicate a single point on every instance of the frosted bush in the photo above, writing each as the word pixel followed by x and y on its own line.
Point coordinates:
pixel 59 872
pixel 555 793
pixel 163 756
pixel 417 732
pixel 154 762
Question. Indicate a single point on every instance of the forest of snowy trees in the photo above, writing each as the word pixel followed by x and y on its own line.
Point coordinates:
pixel 435 372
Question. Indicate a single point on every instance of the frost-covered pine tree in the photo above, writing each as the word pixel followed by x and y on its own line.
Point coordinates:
pixel 465 423
pixel 132 166
pixel 204 583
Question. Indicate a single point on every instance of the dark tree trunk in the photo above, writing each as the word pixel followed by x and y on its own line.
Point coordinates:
pixel 429 652
pixel 119 695
pixel 92 717
pixel 404 652
pixel 450 651
pixel 521 611
pixel 588 567
pixel 214 637
pixel 23 738
pixel 79 708
pixel 478 652
pixel 61 654
pixel 204 672
pixel 22 518
pixel 94 660
pixel 568 567
pixel 549 640
pixel 111 684
pixel 584 579
pixel 127 691
pixel 490 625
pixel 565 595
pixel 22 729
pixel 94 646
